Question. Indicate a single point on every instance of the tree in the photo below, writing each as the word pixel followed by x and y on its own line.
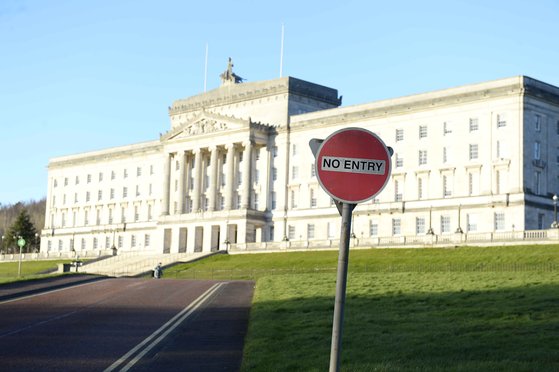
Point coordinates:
pixel 24 228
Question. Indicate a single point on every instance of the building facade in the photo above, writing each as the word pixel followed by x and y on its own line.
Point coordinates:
pixel 235 170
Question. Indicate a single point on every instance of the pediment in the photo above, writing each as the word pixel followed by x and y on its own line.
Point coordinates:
pixel 205 123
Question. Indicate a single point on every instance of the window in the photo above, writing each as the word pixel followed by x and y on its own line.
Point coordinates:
pixel 99 195
pixel 100 176
pixel 399 135
pixel 313 198
pixel 294 152
pixel 419 225
pixel 474 124
pixel 310 231
pixel 95 243
pixel 125 173
pixel 445 155
pixel 446 187
pixel 77 182
pixel 75 197
pixel 470 184
pixel 291 232
pixel 422 131
pixel 373 228
pixel 120 241
pixel 55 183
pixel 66 181
pixel 138 171
pixel 85 218
pixel 445 224
pixel 537 123
pixel 313 170
pixel 82 244
pixel 537 150
pixel 177 165
pixel 274 174
pixel 420 188
pixel 112 193
pixel 447 128
pixel 89 178
pixel 501 120
pixel 397 192
pixel 133 241
pixel 146 240
pixel 537 179
pixel 399 161
pixel 471 221
pixel 473 154
pixel 151 170
pixel 273 200
pixel 541 221
pixel 256 175
pixel 113 175
pixel 122 215
pixel 396 226
pixel 107 242
pixel 255 200
pixel 149 212
pixel 125 192
pixel 110 216
pixel 295 172
pixel 422 157
pixel 137 190
pixel 331 230
pixel 293 199
pixel 499 221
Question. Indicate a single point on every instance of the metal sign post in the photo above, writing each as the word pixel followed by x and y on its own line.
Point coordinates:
pixel 21 243
pixel 353 165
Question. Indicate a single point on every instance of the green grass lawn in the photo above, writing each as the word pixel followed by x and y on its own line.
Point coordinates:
pixel 29 270
pixel 462 309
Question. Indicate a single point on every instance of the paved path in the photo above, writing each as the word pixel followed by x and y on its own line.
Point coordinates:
pixel 120 323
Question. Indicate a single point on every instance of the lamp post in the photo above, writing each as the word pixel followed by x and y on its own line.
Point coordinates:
pixel 554 224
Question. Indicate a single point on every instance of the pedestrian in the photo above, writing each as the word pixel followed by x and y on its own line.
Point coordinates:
pixel 158 271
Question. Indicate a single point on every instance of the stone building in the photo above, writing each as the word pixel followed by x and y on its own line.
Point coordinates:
pixel 235 170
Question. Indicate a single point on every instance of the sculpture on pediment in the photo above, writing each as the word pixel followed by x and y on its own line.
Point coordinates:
pixel 204 126
pixel 228 76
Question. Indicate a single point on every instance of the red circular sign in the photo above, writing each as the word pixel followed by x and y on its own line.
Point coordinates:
pixel 353 165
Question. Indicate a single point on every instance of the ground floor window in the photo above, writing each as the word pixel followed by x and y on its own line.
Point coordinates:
pixel 499 221
pixel 419 225
pixel 396 226
pixel 445 224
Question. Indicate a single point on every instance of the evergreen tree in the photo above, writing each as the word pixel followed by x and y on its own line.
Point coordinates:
pixel 22 227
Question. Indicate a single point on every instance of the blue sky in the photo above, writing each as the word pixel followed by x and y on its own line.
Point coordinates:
pixel 84 75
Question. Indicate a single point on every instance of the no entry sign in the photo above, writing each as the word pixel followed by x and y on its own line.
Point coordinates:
pixel 353 165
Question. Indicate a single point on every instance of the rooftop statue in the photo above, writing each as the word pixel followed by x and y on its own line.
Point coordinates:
pixel 228 76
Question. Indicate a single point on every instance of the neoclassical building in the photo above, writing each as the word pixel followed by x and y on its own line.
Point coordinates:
pixel 235 170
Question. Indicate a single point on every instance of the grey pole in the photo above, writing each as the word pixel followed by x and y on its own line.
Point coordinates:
pixel 341 284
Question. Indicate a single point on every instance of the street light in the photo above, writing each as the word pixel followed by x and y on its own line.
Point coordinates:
pixel 554 224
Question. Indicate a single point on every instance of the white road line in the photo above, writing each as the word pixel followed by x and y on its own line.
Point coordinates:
pixel 163 331
pixel 52 291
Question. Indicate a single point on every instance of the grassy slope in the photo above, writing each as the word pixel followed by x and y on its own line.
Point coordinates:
pixel 425 318
pixel 29 269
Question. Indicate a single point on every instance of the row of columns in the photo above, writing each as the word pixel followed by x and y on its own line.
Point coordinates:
pixel 197 176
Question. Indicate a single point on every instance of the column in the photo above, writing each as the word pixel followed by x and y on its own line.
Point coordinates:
pixel 247 167
pixel 229 176
pixel 213 178
pixel 166 185
pixel 196 179
pixel 182 176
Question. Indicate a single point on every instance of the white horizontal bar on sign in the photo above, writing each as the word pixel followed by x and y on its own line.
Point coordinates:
pixel 353 165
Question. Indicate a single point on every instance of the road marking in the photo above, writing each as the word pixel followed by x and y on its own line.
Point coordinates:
pixel 162 332
pixel 52 291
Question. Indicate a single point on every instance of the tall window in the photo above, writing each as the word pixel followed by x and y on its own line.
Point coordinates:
pixel 291 232
pixel 310 231
pixel 537 179
pixel 474 124
pixel 471 222
pixel 396 226
pixel 397 191
pixel 399 161
pixel 420 188
pixel 447 191
pixel 445 224
pixel 399 135
pixel 419 225
pixel 445 155
pixel 422 131
pixel 313 198
pixel 537 150
pixel 373 228
pixel 473 154
pixel 422 157
pixel 537 123
pixel 293 199
pixel 499 221
pixel 501 120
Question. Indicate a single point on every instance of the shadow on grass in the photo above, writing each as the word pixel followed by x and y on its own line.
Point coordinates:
pixel 507 329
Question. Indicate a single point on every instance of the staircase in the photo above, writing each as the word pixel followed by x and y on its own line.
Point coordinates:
pixel 135 263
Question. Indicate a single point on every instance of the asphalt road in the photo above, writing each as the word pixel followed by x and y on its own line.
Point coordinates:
pixel 121 324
